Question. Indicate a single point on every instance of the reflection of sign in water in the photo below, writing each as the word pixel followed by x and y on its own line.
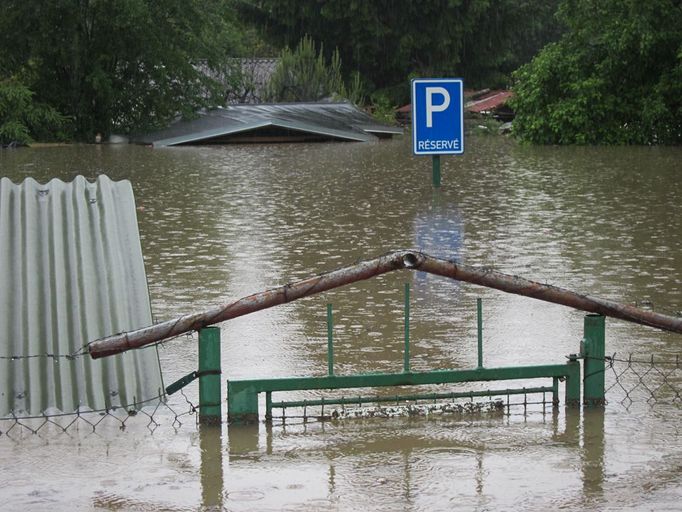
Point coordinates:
pixel 438 231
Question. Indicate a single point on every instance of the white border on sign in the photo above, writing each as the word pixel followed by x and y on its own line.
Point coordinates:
pixel 461 116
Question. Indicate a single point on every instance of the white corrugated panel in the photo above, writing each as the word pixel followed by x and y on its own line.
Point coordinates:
pixel 71 271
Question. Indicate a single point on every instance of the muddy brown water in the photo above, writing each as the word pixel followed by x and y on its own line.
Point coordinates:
pixel 218 223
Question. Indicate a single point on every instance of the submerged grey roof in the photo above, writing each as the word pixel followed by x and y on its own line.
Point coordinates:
pixel 71 270
pixel 333 120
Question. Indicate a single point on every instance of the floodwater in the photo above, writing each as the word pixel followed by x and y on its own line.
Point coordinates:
pixel 219 223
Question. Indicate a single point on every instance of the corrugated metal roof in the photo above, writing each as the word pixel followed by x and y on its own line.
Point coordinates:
pixel 490 101
pixel 72 271
pixel 484 100
pixel 334 120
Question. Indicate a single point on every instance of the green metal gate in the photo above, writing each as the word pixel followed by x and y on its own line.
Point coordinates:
pixel 243 395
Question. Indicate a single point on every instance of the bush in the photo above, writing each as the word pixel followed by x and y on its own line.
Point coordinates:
pixel 614 78
pixel 305 75
pixel 382 109
pixel 21 119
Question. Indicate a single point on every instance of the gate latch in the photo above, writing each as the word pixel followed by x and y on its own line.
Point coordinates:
pixel 183 381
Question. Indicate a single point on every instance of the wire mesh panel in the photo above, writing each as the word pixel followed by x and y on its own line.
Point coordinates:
pixel 652 379
pixel 426 404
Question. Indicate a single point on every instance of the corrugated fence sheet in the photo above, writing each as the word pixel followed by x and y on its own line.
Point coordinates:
pixel 71 271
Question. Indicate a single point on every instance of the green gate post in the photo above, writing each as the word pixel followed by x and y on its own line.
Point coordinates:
pixel 330 341
pixel 479 322
pixel 406 354
pixel 436 171
pixel 209 376
pixel 573 382
pixel 593 352
pixel 242 403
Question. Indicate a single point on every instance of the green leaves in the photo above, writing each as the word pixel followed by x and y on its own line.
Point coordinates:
pixel 119 65
pixel 614 78
pixel 304 75
pixel 20 115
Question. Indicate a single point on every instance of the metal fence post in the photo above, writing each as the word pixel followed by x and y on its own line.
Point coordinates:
pixel 242 403
pixel 330 341
pixel 593 352
pixel 573 382
pixel 479 325
pixel 210 404
pixel 406 354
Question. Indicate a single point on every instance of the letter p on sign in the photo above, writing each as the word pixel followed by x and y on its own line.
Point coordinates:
pixel 437 116
pixel 431 108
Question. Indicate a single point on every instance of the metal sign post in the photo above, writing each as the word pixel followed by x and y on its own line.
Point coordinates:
pixel 437 119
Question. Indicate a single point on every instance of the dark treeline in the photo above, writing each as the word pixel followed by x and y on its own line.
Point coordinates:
pixel 111 65
pixel 584 71
pixel 390 41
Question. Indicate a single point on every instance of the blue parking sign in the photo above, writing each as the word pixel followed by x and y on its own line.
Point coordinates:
pixel 437 116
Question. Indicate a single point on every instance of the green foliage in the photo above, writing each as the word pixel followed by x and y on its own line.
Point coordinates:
pixel 118 65
pixel 304 75
pixel 614 78
pixel 21 117
pixel 485 126
pixel 355 90
pixel 386 40
pixel 382 109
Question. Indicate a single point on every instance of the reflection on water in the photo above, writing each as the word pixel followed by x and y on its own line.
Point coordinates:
pixel 438 231
pixel 218 223
pixel 211 446
pixel 593 452
pixel 464 461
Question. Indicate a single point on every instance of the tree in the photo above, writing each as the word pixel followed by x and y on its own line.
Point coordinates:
pixel 20 116
pixel 615 77
pixel 119 64
pixel 388 41
pixel 304 75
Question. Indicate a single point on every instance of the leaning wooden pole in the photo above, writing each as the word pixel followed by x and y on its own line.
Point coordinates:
pixel 256 302
pixel 549 293
pixel 404 259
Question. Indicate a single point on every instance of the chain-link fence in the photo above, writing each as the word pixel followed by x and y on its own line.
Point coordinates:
pixel 651 379
pixel 629 379
pixel 90 420
pixel 154 411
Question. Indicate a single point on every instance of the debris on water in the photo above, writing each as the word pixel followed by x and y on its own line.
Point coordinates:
pixel 418 410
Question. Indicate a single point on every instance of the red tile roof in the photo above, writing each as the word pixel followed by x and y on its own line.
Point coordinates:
pixel 490 101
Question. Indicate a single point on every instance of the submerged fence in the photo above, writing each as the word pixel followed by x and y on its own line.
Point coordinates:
pixel 626 379
pixel 630 379
pixel 155 411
